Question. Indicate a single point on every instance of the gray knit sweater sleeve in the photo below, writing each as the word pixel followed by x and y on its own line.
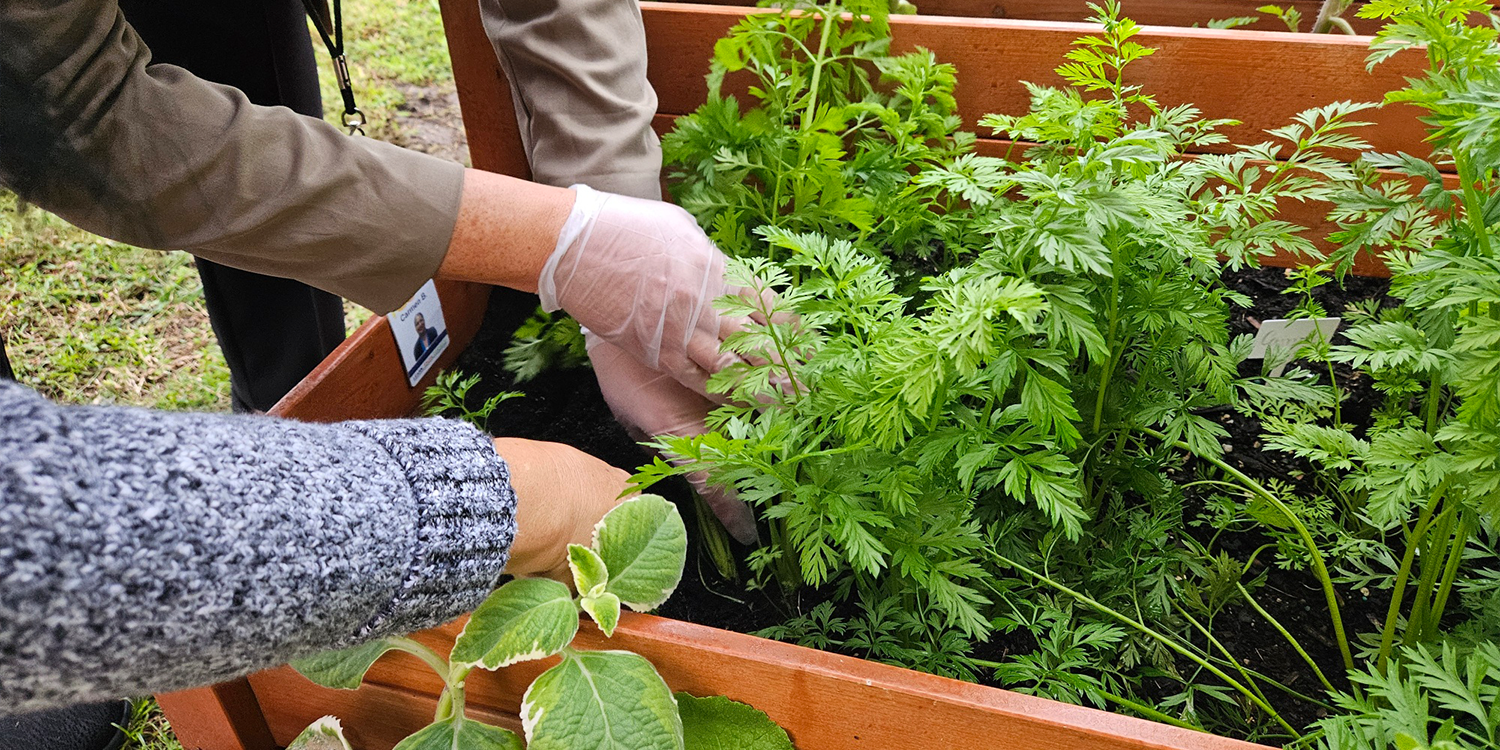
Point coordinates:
pixel 144 551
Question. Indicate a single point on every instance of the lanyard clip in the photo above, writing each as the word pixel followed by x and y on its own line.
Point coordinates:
pixel 354 119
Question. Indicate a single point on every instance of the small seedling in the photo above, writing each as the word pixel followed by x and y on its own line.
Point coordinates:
pixel 449 397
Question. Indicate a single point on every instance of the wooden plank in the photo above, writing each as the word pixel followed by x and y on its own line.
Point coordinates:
pixel 375 717
pixel 221 717
pixel 1261 78
pixel 1146 12
pixel 825 701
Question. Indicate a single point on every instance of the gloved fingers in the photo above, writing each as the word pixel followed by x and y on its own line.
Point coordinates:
pixel 705 358
pixel 649 403
pixel 731 511
pixel 644 401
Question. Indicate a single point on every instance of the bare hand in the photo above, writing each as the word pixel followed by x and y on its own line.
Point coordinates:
pixel 561 493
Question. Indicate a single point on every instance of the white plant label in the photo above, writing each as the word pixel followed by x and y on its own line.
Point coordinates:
pixel 1280 339
pixel 421 333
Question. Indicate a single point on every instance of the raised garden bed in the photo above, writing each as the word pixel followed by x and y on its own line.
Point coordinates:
pixel 824 700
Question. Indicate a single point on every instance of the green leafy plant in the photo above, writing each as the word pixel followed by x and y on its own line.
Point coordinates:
pixel 1425 470
pixel 1448 700
pixel 827 146
pixel 448 396
pixel 546 341
pixel 635 561
pixel 1024 384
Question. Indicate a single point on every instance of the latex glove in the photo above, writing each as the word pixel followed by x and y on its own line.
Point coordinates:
pixel 650 403
pixel 561 493
pixel 642 276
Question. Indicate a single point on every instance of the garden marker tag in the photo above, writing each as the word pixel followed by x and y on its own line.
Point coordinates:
pixel 1282 338
pixel 421 333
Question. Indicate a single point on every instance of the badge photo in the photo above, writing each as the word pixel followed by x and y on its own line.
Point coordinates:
pixel 421 333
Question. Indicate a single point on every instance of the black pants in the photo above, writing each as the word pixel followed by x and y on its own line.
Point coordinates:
pixel 273 331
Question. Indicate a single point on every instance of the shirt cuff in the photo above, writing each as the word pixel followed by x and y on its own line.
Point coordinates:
pixel 465 525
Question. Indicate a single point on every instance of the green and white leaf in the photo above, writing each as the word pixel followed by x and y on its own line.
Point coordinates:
pixel 461 734
pixel 601 700
pixel 718 723
pixel 604 607
pixel 589 573
pixel 644 546
pixel 528 618
pixel 323 734
pixel 343 669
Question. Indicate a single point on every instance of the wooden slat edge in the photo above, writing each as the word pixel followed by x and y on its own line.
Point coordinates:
pixel 826 701
pixel 1152 12
pixel 694 657
pixel 221 717
pixel 375 717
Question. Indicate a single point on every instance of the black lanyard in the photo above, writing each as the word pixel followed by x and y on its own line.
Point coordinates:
pixel 333 38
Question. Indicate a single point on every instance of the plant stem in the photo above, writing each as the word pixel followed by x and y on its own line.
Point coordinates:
pixel 427 655
pixel 1398 589
pixel 1148 711
pixel 788 572
pixel 1326 13
pixel 1162 639
pixel 1432 562
pixel 715 539
pixel 1220 646
pixel 1296 646
pixel 1109 362
pixel 812 103
pixel 1450 573
pixel 1434 399
pixel 1473 203
pixel 451 702
pixel 1320 569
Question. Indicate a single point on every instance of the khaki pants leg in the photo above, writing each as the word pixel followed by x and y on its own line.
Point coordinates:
pixel 577 71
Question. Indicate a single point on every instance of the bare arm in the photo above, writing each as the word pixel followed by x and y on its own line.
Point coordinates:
pixel 498 211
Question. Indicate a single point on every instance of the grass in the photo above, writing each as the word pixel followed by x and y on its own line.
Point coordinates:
pixel 91 321
pixel 148 728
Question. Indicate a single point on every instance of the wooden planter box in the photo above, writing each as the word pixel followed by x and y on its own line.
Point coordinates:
pixel 826 701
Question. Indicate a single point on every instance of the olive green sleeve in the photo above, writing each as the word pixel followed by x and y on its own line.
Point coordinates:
pixel 150 155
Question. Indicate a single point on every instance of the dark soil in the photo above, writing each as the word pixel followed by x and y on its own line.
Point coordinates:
pixel 567 407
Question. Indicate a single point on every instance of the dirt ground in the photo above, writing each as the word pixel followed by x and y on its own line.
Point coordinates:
pixel 430 122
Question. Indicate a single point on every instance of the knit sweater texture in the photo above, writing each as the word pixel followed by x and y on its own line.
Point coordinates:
pixel 144 551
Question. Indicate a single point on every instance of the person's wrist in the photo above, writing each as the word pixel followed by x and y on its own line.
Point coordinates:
pixel 541 526
pixel 497 211
pixel 587 204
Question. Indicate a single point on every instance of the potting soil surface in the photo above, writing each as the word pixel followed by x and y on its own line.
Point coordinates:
pixel 566 407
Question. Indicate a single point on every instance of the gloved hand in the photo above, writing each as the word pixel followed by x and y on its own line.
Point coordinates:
pixel 642 276
pixel 650 403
